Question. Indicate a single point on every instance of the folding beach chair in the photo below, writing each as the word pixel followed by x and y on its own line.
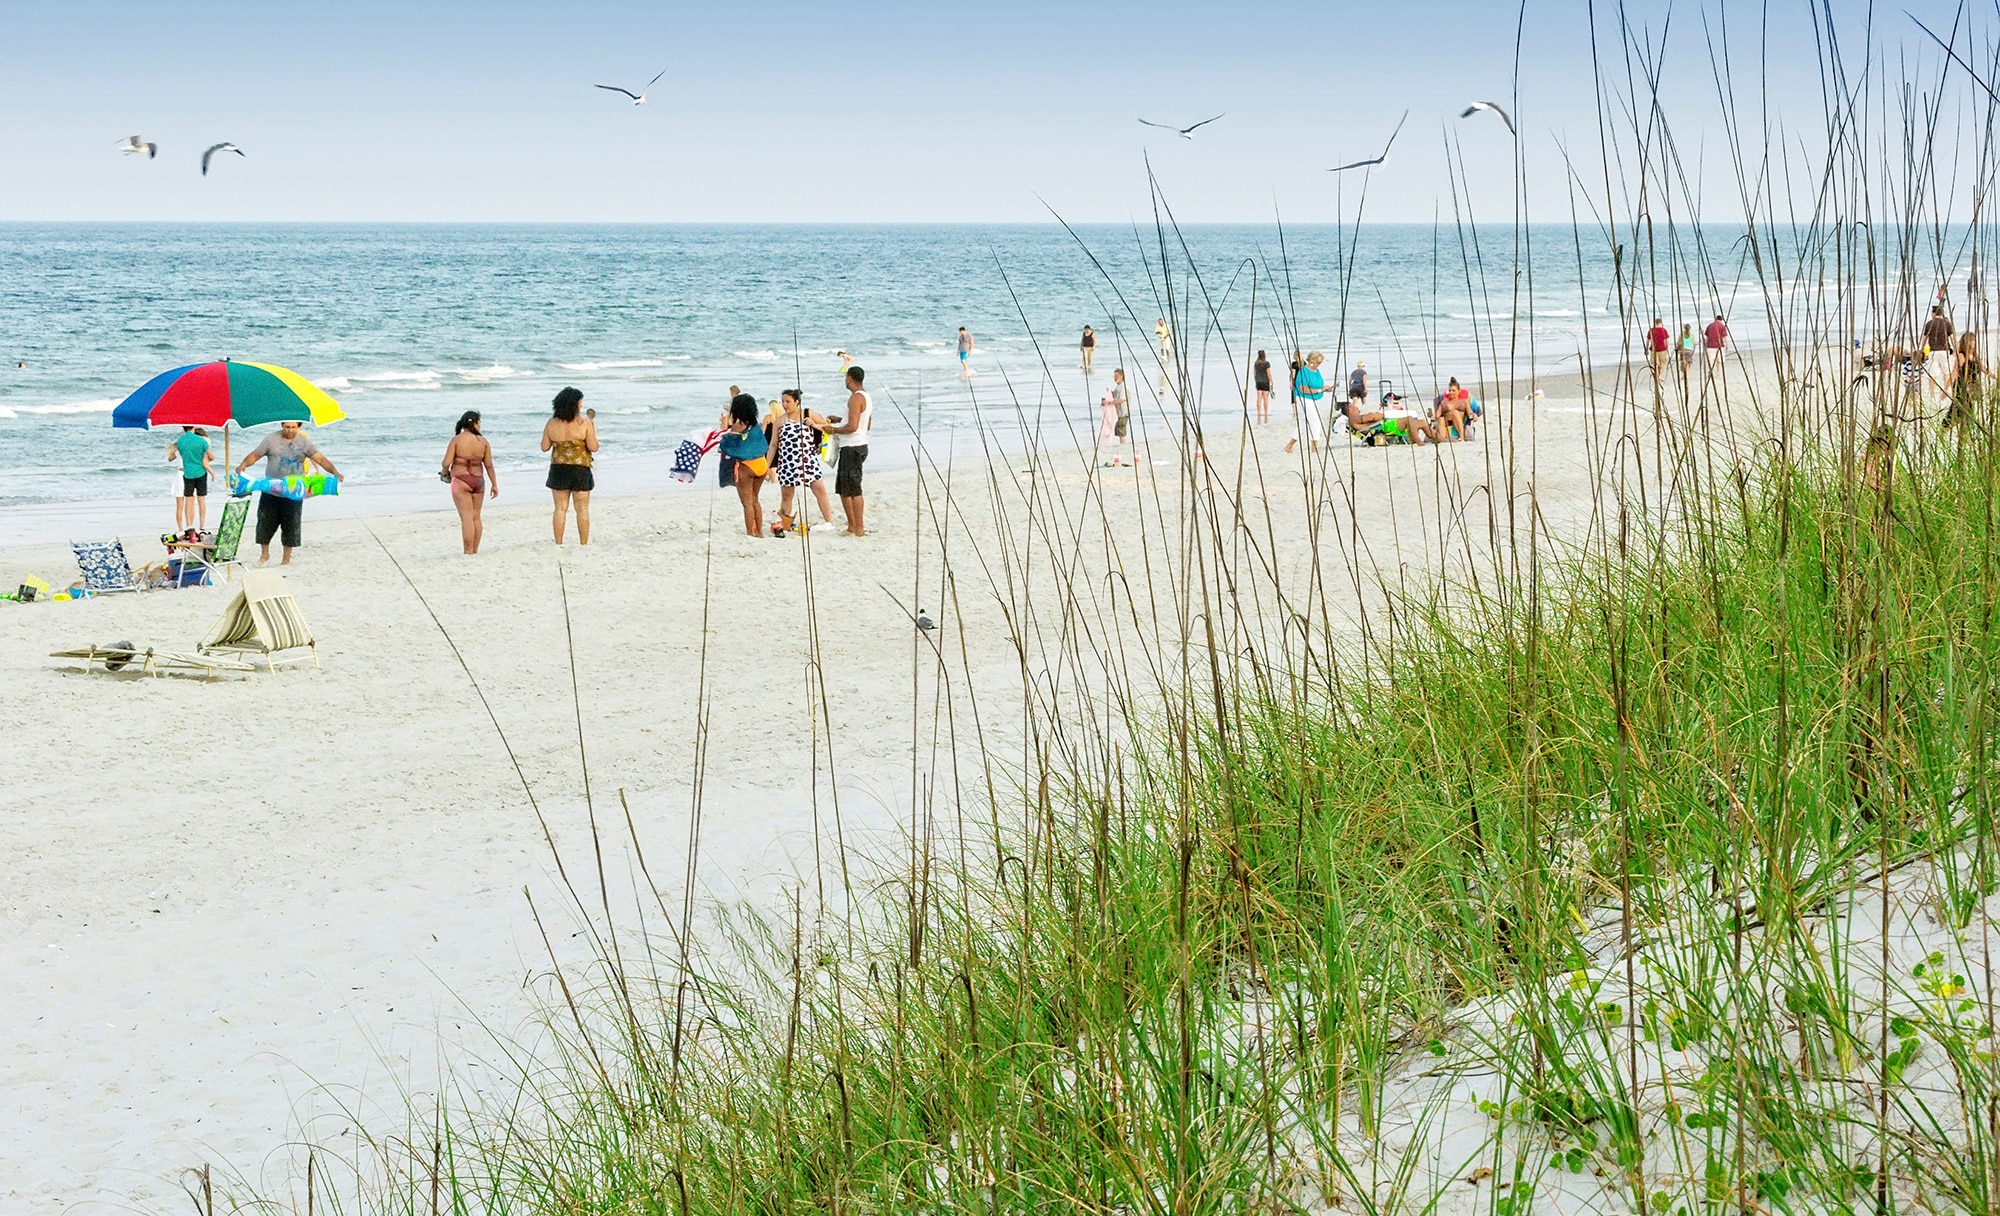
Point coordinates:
pixel 218 556
pixel 124 656
pixel 263 619
pixel 104 566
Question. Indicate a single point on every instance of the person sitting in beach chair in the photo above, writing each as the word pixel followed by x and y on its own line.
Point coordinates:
pixel 1454 409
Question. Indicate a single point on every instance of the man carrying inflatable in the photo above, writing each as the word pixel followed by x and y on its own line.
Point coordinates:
pixel 285 455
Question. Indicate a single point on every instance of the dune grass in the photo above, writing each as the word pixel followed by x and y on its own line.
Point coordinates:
pixel 1643 866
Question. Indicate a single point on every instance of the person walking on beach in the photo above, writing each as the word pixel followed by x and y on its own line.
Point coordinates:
pixel 965 345
pixel 1657 341
pixel 747 445
pixel 1311 386
pixel 1938 356
pixel 1260 374
pixel 468 466
pixel 284 455
pixel 1088 346
pixel 797 463
pixel 1684 348
pixel 570 440
pixel 1115 422
pixel 850 438
pixel 1357 385
pixel 192 449
pixel 1715 340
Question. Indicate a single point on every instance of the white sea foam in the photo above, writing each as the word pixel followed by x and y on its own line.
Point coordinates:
pixel 401 379
pixel 760 355
pixel 922 345
pixel 637 409
pixel 103 406
pixel 332 383
pixel 611 364
pixel 488 374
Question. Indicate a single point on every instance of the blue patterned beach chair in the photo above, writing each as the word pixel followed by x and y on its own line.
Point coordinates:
pixel 104 566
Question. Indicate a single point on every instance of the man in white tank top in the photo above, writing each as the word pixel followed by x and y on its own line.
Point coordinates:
pixel 850 440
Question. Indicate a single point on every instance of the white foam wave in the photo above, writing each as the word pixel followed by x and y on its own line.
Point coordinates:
pixel 922 345
pixel 637 409
pixel 677 358
pixel 333 382
pixel 759 355
pixel 488 374
pixel 610 364
pixel 402 379
pixel 104 406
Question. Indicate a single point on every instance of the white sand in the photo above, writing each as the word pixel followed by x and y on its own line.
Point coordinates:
pixel 224 893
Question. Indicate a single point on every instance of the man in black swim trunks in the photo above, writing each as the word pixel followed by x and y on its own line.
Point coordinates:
pixel 285 454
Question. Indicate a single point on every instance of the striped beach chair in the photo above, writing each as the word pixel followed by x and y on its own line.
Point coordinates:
pixel 263 619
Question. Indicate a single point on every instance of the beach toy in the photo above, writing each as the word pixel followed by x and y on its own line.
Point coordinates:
pixel 32 588
pixel 215 394
pixel 298 489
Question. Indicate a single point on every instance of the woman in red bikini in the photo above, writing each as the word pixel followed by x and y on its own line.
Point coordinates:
pixel 468 466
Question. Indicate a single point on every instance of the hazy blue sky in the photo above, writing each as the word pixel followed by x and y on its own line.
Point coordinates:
pixel 362 110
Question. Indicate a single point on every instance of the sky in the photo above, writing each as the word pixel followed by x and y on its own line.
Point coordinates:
pixel 1012 111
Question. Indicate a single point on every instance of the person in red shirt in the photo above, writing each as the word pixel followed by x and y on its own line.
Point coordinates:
pixel 1657 341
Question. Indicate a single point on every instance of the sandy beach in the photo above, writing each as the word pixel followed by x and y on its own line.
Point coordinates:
pixel 241 905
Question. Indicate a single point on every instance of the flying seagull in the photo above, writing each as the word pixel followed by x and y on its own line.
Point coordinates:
pixel 1494 106
pixel 1183 132
pixel 639 98
pixel 213 150
pixel 132 143
pixel 1362 164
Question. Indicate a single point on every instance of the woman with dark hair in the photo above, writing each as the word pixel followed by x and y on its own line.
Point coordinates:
pixel 468 466
pixel 744 442
pixel 797 463
pixel 569 439
pixel 1260 371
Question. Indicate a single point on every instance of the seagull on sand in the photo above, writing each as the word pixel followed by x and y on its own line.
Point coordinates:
pixel 1362 164
pixel 132 143
pixel 213 150
pixel 1183 132
pixel 924 621
pixel 639 98
pixel 1494 106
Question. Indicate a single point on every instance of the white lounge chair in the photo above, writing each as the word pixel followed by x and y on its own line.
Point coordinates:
pixel 123 656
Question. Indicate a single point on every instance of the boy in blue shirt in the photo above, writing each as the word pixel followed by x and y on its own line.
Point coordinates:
pixel 191 448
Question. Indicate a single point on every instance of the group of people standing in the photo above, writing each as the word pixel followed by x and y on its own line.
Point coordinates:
pixel 784 444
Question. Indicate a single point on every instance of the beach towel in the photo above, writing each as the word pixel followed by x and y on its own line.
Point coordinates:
pixel 688 453
pixel 298 489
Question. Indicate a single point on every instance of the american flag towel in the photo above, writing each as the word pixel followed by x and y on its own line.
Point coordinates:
pixel 687 456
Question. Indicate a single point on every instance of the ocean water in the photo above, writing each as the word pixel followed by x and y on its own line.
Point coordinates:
pixel 408 326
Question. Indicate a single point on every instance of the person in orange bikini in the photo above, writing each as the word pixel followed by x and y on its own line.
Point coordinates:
pixel 468 466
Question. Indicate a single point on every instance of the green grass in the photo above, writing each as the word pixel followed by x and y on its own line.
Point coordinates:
pixel 1194 985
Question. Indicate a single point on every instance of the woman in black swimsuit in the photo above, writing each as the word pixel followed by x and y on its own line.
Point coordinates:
pixel 1089 347
pixel 1262 371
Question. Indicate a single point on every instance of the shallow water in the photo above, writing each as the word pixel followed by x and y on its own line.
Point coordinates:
pixel 408 325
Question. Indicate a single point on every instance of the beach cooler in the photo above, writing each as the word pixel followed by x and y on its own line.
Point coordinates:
pixel 185 571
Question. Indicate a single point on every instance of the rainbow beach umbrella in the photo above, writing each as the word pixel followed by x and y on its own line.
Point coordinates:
pixel 219 393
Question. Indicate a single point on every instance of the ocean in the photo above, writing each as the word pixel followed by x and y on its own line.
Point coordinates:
pixel 409 325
